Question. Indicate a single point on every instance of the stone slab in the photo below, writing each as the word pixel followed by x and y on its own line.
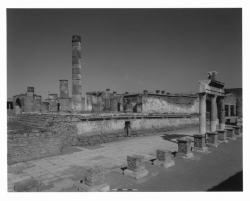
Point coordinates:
pixel 165 164
pixel 136 175
pixel 231 138
pixel 214 145
pixel 204 149
pixel 83 187
pixel 222 141
pixel 65 183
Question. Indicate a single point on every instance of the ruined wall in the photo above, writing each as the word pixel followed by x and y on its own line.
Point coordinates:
pixel 115 125
pixel 29 146
pixel 103 101
pixel 132 103
pixel 175 104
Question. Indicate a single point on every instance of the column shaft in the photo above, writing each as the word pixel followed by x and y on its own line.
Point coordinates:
pixel 222 113
pixel 202 111
pixel 213 114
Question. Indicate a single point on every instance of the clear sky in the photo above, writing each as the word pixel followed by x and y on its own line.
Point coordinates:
pixel 123 49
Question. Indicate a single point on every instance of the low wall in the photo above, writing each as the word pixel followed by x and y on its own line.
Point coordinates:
pixel 115 125
pixel 28 146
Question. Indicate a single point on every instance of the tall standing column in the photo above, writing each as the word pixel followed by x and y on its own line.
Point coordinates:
pixel 222 114
pixel 202 110
pixel 76 74
pixel 213 113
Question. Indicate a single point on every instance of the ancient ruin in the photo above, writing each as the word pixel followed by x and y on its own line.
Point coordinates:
pixel 104 116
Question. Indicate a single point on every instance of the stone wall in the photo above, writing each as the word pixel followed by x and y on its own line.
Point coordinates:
pixel 175 104
pixel 29 146
pixel 117 125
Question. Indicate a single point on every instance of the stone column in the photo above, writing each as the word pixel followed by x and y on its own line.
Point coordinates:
pixel 213 113
pixel 222 114
pixel 202 109
pixel 76 74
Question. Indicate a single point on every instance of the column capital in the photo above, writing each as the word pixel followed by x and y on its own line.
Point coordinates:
pixel 202 95
pixel 213 97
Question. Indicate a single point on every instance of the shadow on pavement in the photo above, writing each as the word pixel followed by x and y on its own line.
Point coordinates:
pixel 173 136
pixel 233 183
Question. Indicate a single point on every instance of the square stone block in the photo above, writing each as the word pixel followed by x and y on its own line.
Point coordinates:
pixel 214 145
pixel 163 155
pixel 165 164
pixel 221 135
pixel 199 141
pixel 184 145
pixel 136 174
pixel 236 130
pixel 94 176
pixel 230 133
pixel 211 138
pixel 136 162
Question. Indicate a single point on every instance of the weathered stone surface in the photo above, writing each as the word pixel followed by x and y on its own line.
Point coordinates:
pixel 230 133
pixel 199 141
pixel 184 145
pixel 236 130
pixel 163 155
pixel 211 138
pixel 136 174
pixel 30 185
pixel 136 163
pixel 94 176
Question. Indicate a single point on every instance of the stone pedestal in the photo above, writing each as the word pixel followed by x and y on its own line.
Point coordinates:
pixel 211 140
pixel 136 166
pixel 163 158
pixel 230 134
pixel 94 180
pixel 237 131
pixel 199 143
pixel 184 147
pixel 222 136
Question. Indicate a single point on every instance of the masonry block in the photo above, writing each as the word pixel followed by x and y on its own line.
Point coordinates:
pixel 222 136
pixel 94 176
pixel 237 131
pixel 184 147
pixel 136 166
pixel 199 143
pixel 230 134
pixel 163 158
pixel 212 140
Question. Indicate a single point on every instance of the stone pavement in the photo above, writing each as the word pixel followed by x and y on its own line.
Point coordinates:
pixel 60 172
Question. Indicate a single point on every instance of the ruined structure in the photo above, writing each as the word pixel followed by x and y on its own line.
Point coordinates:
pixel 214 90
pixel 106 116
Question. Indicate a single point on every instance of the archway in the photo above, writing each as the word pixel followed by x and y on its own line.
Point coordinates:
pixel 18 102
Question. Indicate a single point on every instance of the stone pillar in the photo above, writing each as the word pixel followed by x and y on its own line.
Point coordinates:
pixel 202 110
pixel 222 113
pixel 64 93
pixel 230 134
pixel 184 147
pixel 128 129
pixel 76 74
pixel 94 180
pixel 237 131
pixel 30 91
pixel 199 143
pixel 222 136
pixel 213 113
pixel 163 158
pixel 136 166
pixel 212 140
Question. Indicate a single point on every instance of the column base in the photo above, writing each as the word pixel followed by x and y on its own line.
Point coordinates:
pixel 136 175
pixel 165 164
pixel 222 141
pixel 231 138
pixel 83 187
pixel 189 155
pixel 198 149
pixel 215 145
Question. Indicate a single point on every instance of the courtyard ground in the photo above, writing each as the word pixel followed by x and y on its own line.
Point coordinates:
pixel 220 169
